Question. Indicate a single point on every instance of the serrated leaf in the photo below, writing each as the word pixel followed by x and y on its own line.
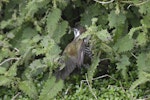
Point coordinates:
pixel 145 8
pixel 124 44
pixel 12 70
pixel 143 78
pixel 90 12
pixel 5 81
pixel 52 20
pixel 29 89
pixel 51 88
pixel 122 65
pixel 133 30
pixel 142 39
pixel 104 35
pixel 36 68
pixel 33 6
pixel 116 20
pixel 23 38
pixel 60 31
pixel 145 21
pixel 92 69
pixel 143 62
pixel 2 70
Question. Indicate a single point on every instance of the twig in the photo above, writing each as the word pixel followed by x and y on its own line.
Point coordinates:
pixel 142 3
pixel 16 96
pixel 134 55
pixel 8 60
pixel 102 2
pixel 106 75
pixel 138 4
pixel 91 88
pixel 16 49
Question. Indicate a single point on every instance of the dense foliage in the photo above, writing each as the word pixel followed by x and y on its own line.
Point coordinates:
pixel 33 34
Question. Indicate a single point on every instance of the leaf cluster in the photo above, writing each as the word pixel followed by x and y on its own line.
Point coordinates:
pixel 33 34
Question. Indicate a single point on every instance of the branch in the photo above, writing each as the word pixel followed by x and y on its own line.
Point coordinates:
pixel 102 2
pixel 106 75
pixel 138 4
pixel 8 60
pixel 91 88
pixel 14 98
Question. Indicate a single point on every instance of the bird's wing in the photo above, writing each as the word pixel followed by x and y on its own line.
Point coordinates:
pixel 66 71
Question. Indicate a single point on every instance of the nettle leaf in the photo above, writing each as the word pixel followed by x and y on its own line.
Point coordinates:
pixel 104 35
pixel 5 80
pixel 143 78
pixel 35 68
pixel 90 12
pixel 33 6
pixel 116 20
pixel 29 89
pixel 144 8
pixel 51 88
pixel 92 69
pixel 52 20
pixel 143 62
pixel 2 70
pixel 124 44
pixel 23 38
pixel 142 39
pixel 12 70
pixel 50 47
pixel 122 65
pixel 60 31
pixel 146 19
pixel 133 30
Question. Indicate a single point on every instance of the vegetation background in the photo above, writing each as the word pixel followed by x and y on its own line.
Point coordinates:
pixel 33 33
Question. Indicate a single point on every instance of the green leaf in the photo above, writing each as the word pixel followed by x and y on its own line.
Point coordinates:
pixel 104 35
pixel 50 89
pixel 5 80
pixel 60 31
pixel 122 65
pixel 144 8
pixel 143 78
pixel 35 68
pixel 142 39
pixel 52 20
pixel 33 6
pixel 143 62
pixel 145 21
pixel 90 12
pixel 116 20
pixel 2 70
pixel 124 44
pixel 12 70
pixel 29 89
pixel 92 69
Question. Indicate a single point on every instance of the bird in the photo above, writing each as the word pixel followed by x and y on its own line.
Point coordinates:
pixel 73 54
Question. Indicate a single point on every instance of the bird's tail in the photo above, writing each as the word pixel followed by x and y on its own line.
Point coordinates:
pixel 66 71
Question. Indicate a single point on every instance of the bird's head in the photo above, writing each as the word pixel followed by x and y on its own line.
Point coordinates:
pixel 78 31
